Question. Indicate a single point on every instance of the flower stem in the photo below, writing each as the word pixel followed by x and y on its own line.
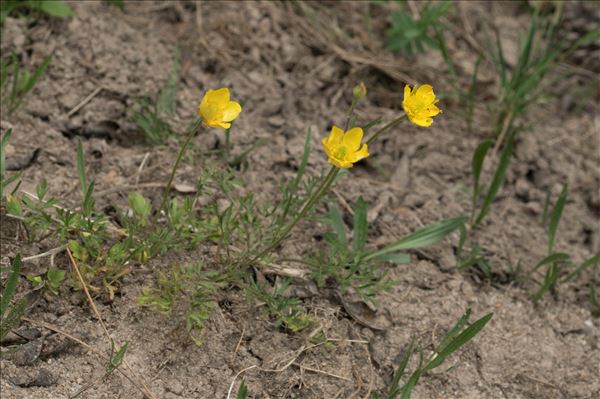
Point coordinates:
pixel 182 149
pixel 310 202
pixel 386 127
pixel 227 149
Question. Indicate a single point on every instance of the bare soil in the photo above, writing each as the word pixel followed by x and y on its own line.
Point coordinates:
pixel 296 65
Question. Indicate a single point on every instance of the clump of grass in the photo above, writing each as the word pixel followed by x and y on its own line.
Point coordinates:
pixel 352 266
pixel 153 115
pixel 461 333
pixel 16 82
pixel 411 35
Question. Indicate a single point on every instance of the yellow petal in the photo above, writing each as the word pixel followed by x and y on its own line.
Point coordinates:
pixel 352 139
pixel 420 121
pixel 219 97
pixel 231 111
pixel 327 147
pixel 406 92
pixel 425 93
pixel 433 110
pixel 335 137
pixel 360 154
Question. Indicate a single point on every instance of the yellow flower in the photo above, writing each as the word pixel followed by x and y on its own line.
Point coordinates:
pixel 419 105
pixel 344 149
pixel 217 110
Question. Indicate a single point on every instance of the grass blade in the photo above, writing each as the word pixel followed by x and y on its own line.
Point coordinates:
pixel 360 225
pixel 394 390
pixel 303 162
pixel 81 168
pixel 549 281
pixel 421 238
pixel 552 258
pixel 498 179
pixel 593 261
pixel 242 391
pixel 555 217
pixel 477 164
pixel 459 341
pixel 33 79
pixel 399 258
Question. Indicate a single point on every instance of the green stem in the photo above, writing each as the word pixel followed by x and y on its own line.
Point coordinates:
pixel 386 127
pixel 227 149
pixel 310 202
pixel 182 149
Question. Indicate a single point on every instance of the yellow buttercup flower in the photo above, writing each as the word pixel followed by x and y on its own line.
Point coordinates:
pixel 344 148
pixel 419 105
pixel 217 110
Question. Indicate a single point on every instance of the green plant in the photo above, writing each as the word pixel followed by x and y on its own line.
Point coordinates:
pixel 411 35
pixel 10 315
pixel 522 86
pixel 16 82
pixel 153 115
pixel 53 8
pixel 353 266
pixel 242 391
pixel 192 284
pixel 52 281
pixel 285 311
pixel 460 334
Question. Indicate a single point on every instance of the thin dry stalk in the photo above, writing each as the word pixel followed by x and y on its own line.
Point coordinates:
pixel 145 390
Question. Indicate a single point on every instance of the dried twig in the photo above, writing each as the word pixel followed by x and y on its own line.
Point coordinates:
pixel 84 102
pixel 144 388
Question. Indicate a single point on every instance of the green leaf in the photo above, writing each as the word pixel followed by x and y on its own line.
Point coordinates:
pixel 13 206
pixel 498 179
pixel 13 317
pixel 55 277
pixel 555 217
pixel 477 164
pixel 56 8
pixel 30 81
pixel 139 204
pixel 421 238
pixel 550 279
pixel 11 284
pixel 394 390
pixel 335 220
pixel 41 189
pixel 81 168
pixel 457 342
pixel 3 144
pixel 593 261
pixel 303 162
pixel 88 200
pixel 552 258
pixel 360 226
pixel 116 358
pixel 399 258
pixel 242 391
